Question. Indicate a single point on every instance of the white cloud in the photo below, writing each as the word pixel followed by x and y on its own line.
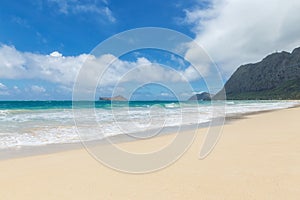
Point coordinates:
pixel 56 54
pixel 63 70
pixel 109 14
pixel 22 22
pixel 191 74
pixel 2 86
pixel 116 71
pixel 38 89
pixel 11 62
pixel 165 94
pixel 78 7
pixel 197 92
pixel 3 90
pixel 54 67
pixel 16 89
pixel 236 32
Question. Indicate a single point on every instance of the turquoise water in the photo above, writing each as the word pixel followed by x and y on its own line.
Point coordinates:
pixel 35 123
pixel 33 105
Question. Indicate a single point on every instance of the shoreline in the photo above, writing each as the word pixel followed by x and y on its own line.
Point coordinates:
pixel 28 151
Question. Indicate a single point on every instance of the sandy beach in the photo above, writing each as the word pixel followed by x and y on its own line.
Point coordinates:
pixel 257 157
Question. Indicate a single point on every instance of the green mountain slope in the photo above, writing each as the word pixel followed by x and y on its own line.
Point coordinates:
pixel 275 77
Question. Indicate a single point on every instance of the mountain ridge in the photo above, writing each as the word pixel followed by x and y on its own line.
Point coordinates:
pixel 277 76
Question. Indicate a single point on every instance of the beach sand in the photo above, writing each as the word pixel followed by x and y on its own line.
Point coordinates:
pixel 257 157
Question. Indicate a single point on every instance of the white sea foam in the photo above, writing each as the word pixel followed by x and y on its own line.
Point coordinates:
pixel 50 126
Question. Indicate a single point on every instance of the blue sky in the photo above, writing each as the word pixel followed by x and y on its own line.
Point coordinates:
pixel 44 42
pixel 46 25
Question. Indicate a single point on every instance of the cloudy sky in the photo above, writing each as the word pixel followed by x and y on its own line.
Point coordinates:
pixel 45 43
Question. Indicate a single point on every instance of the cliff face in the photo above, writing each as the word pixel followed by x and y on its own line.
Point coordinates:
pixel 277 76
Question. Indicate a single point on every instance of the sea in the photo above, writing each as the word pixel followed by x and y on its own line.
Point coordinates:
pixel 38 123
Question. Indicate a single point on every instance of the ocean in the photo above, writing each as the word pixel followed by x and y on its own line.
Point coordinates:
pixel 36 123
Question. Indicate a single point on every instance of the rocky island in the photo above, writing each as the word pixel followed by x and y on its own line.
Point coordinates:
pixel 116 98
pixel 204 96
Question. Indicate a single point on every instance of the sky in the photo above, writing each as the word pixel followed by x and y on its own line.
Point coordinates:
pixel 45 43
